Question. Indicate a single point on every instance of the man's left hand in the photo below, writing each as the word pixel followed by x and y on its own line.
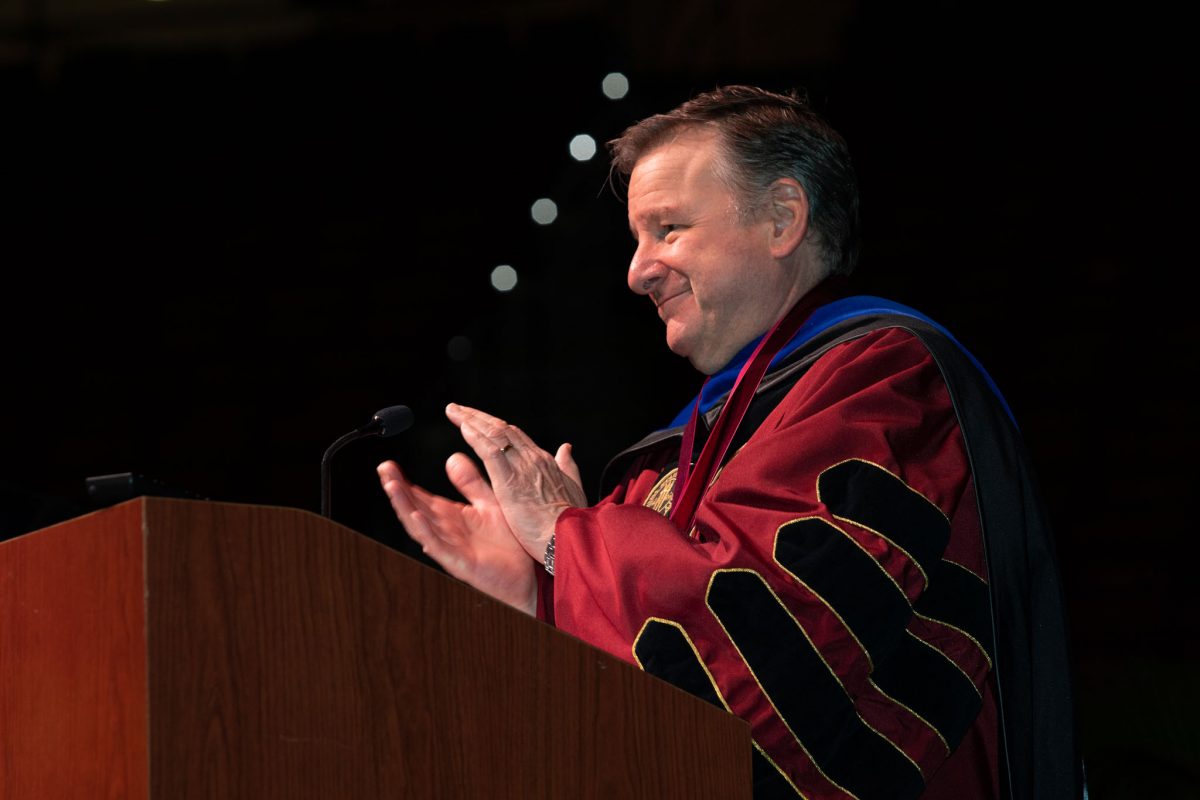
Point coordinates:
pixel 532 487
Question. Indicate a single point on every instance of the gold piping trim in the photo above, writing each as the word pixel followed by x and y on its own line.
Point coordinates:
pixel 866 653
pixel 967 570
pixel 690 643
pixel 765 693
pixel 872 530
pixel 857 524
pixel 982 650
pixel 716 689
pixel 949 659
pixel 782 774
pixel 855 542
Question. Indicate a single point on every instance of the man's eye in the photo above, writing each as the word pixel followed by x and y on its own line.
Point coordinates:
pixel 668 229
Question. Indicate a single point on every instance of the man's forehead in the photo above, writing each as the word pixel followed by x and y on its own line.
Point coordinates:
pixel 672 166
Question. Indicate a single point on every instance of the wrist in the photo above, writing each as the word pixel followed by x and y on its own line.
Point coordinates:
pixel 537 547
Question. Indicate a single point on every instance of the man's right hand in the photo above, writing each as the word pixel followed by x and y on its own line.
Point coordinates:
pixel 471 541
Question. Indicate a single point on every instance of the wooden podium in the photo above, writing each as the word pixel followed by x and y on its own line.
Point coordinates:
pixel 173 649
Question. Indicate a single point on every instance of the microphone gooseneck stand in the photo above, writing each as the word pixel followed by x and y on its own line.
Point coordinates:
pixel 387 422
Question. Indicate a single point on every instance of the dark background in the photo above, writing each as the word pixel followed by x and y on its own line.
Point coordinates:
pixel 232 231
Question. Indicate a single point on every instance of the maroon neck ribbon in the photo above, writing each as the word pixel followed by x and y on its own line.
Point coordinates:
pixel 691 482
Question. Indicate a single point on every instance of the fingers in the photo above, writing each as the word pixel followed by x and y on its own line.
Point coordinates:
pixel 566 462
pixel 522 470
pixel 396 489
pixel 389 469
pixel 491 430
pixel 493 449
pixel 399 492
pixel 466 477
pixel 507 452
pixel 415 512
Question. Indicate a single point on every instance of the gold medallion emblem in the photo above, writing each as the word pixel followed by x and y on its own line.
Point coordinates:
pixel 659 498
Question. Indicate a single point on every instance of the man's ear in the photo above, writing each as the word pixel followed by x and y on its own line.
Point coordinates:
pixel 788 211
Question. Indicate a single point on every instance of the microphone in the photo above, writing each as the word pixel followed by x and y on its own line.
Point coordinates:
pixel 387 422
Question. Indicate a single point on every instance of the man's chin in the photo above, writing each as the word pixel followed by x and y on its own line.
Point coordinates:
pixel 698 358
pixel 679 345
pixel 687 347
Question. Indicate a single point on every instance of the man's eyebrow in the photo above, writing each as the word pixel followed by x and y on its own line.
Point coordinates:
pixel 657 210
pixel 663 209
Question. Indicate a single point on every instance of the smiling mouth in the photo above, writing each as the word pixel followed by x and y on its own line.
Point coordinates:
pixel 661 304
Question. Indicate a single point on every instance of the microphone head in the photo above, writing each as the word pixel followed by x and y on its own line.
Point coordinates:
pixel 392 420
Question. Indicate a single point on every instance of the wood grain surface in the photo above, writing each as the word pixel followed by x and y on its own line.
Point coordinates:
pixel 177 649
pixel 73 720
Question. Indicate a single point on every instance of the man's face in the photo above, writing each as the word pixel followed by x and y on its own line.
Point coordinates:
pixel 711 275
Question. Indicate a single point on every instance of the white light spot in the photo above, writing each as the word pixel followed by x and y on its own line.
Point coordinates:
pixel 615 86
pixel 583 147
pixel 544 211
pixel 458 348
pixel 504 278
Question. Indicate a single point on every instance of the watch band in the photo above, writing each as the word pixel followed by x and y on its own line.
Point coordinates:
pixel 548 558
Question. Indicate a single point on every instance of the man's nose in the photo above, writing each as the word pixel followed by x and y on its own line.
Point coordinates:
pixel 645 269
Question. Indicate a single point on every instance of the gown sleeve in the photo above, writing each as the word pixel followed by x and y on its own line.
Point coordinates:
pixel 832 592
